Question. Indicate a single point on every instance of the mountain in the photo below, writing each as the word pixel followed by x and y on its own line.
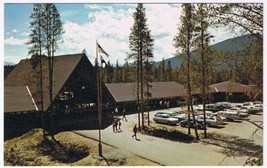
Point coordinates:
pixel 231 45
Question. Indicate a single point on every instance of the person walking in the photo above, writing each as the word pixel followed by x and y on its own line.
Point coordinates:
pixel 123 115
pixel 134 131
pixel 117 110
pixel 119 125
pixel 114 126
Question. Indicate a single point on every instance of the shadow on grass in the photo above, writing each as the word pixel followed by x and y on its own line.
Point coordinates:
pixel 233 145
pixel 173 135
pixel 67 153
pixel 217 126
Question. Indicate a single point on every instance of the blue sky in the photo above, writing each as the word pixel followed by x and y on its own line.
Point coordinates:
pixel 108 23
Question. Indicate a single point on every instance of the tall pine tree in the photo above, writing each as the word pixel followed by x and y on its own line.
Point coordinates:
pixel 184 42
pixel 36 41
pixel 141 46
pixel 46 32
pixel 202 47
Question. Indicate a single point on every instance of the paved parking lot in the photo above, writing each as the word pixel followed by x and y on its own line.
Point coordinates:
pixel 172 153
pixel 241 128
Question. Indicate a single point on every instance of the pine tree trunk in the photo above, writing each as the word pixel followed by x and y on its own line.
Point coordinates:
pixel 142 81
pixel 203 80
pixel 188 74
pixel 138 82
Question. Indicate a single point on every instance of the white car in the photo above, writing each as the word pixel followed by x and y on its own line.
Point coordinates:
pixel 259 105
pixel 253 109
pixel 180 115
pixel 242 112
pixel 229 115
pixel 213 120
pixel 165 119
pixel 172 113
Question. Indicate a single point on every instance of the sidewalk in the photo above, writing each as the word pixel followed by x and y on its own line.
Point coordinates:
pixel 162 151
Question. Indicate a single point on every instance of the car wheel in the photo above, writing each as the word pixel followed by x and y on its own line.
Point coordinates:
pixel 208 124
pixel 169 123
pixel 182 125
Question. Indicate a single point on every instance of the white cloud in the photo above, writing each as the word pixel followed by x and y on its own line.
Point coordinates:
pixel 110 25
pixel 25 34
pixel 14 31
pixel 98 6
pixel 14 41
pixel 111 28
pixel 221 33
pixel 163 21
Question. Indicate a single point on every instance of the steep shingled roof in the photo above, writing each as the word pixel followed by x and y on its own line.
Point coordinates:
pixel 27 73
pixel 18 96
pixel 123 92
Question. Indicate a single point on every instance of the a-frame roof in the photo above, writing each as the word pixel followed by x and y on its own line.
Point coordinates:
pixel 18 97
pixel 124 92
pixel 27 72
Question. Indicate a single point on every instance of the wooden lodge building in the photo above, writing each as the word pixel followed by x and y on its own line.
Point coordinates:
pixel 124 94
pixel 26 91
pixel 27 102
pixel 229 91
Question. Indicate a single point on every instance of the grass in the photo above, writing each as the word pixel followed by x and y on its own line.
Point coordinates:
pixel 69 149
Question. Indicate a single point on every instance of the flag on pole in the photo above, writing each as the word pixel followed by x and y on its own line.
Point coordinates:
pixel 100 50
pixel 103 62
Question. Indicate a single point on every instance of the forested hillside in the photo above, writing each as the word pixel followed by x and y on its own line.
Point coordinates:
pixel 233 45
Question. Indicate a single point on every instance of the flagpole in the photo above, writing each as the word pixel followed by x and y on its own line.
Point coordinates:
pixel 99 101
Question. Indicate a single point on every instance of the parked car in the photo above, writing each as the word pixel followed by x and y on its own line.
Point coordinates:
pixel 209 107
pixel 208 113
pixel 180 117
pixel 165 112
pixel 213 120
pixel 199 124
pixel 259 106
pixel 242 112
pixel 223 117
pixel 229 115
pixel 253 109
pixel 257 102
pixel 223 105
pixel 165 119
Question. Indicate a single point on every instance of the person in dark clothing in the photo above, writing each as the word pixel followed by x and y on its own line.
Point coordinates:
pixel 134 131
pixel 119 125
pixel 123 114
pixel 114 126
